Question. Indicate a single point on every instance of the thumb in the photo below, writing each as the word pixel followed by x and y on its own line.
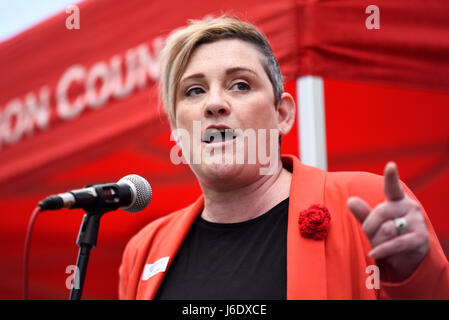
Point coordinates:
pixel 359 208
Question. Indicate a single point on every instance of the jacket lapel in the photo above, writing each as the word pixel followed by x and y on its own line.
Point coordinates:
pixel 166 244
pixel 306 261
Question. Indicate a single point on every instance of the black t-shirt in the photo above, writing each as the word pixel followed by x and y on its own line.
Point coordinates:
pixel 245 260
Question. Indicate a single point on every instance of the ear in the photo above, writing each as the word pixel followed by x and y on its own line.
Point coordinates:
pixel 286 112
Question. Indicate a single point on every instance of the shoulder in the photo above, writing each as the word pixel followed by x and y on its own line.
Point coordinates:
pixel 153 229
pixel 338 185
pixel 351 179
pixel 367 185
pixel 157 234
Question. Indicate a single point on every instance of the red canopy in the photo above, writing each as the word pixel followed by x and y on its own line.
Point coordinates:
pixel 79 107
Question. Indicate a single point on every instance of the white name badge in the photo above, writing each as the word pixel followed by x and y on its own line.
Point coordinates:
pixel 154 268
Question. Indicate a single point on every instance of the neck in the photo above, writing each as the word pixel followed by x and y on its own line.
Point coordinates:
pixel 246 202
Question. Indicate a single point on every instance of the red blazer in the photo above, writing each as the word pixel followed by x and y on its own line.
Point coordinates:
pixel 334 268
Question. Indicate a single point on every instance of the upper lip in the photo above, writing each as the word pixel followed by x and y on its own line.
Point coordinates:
pixel 218 127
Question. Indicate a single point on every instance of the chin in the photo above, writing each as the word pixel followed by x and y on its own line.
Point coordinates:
pixel 225 174
pixel 219 170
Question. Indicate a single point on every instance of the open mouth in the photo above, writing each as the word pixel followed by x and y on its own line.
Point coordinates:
pixel 215 136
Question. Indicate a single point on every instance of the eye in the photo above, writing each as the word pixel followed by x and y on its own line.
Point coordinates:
pixel 241 86
pixel 194 92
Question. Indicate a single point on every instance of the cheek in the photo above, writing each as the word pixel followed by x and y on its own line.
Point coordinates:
pixel 188 119
pixel 185 116
pixel 259 113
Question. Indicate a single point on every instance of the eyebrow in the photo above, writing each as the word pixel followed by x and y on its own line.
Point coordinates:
pixel 228 72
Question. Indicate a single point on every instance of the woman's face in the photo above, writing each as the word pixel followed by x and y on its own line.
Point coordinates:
pixel 224 97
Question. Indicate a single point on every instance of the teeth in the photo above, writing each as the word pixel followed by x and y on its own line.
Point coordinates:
pixel 217 135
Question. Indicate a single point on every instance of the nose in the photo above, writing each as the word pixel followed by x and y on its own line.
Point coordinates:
pixel 216 105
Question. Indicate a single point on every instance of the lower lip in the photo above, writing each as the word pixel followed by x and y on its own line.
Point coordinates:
pixel 219 144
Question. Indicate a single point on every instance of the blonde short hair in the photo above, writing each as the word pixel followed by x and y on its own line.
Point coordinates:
pixel 181 44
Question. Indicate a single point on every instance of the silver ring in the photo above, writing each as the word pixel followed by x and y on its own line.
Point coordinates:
pixel 401 225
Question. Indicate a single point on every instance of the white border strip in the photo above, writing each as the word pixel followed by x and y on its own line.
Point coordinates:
pixel 312 122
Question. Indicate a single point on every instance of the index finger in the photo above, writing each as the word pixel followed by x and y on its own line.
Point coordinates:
pixel 392 187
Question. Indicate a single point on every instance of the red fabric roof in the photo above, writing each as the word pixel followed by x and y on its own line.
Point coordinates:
pixel 386 98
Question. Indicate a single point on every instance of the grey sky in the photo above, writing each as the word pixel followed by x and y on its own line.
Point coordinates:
pixel 19 15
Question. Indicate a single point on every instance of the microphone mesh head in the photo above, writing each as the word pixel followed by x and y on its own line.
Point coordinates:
pixel 143 192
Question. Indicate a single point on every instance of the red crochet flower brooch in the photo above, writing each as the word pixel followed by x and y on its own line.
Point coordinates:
pixel 314 222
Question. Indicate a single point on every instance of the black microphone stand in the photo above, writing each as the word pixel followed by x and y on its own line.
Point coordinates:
pixel 87 240
pixel 88 234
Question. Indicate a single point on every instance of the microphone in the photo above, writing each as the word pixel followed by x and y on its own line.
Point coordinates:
pixel 132 193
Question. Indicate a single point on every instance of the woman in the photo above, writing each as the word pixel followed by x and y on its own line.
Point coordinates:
pixel 267 226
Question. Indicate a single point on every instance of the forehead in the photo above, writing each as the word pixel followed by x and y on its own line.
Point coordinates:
pixel 224 54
